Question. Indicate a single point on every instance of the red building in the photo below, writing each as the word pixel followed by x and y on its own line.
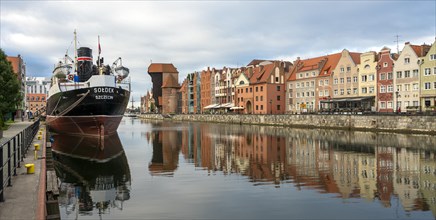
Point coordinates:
pixel 165 86
pixel 385 80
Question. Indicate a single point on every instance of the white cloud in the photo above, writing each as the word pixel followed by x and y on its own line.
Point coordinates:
pixel 193 35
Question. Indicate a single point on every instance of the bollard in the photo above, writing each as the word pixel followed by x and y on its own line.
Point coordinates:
pixel 40 132
pixel 36 147
pixel 39 137
pixel 30 168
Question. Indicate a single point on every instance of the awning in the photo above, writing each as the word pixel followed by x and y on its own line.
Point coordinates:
pixel 351 99
pixel 211 106
pixel 227 105
pixel 236 108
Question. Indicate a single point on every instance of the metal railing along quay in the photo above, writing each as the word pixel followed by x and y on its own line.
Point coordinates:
pixel 12 153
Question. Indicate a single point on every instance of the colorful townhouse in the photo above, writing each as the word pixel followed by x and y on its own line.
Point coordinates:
pixel 428 80
pixel 385 80
pixel 36 95
pixel 243 91
pixel 193 93
pixel 367 78
pixel 407 77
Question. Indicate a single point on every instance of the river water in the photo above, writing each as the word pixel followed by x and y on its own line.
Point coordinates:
pixel 183 170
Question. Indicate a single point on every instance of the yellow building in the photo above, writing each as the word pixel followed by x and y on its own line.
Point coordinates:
pixel 428 80
pixel 367 75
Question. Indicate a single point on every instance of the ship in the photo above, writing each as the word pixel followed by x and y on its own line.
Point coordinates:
pixel 86 98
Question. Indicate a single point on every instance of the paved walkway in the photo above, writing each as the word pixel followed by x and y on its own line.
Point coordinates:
pixel 21 198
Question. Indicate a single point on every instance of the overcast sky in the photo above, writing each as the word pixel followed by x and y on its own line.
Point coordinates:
pixel 196 34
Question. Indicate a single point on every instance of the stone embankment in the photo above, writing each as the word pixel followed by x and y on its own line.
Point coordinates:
pixel 387 123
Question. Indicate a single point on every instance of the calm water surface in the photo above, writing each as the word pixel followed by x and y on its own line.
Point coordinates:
pixel 168 170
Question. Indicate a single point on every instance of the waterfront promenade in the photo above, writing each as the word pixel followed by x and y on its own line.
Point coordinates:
pixel 21 199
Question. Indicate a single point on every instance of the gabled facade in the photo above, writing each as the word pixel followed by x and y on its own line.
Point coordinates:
pixel 193 93
pixel 385 81
pixel 367 74
pixel 268 86
pixel 407 77
pixel 184 96
pixel 325 81
pixel 243 91
pixel 428 80
pixel 346 76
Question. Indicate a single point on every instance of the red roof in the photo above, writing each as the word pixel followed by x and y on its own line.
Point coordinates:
pixel 162 68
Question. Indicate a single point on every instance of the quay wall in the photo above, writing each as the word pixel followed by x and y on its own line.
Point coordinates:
pixel 388 123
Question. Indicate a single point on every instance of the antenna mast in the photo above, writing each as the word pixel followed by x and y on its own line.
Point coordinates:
pixel 397 41
pixel 75 51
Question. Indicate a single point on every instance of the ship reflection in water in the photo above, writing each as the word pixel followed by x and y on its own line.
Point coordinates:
pixel 389 169
pixel 94 174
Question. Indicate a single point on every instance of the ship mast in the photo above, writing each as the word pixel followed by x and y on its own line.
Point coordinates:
pixel 75 51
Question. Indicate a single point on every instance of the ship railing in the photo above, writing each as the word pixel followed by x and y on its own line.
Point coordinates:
pixel 72 86
pixel 13 152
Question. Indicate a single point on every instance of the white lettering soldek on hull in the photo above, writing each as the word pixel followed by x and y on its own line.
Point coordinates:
pixel 103 90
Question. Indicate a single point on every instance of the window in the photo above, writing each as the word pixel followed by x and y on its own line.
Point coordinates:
pixel 251 89
pixel 371 89
pixel 390 88
pixel 257 107
pixel 427 71
pixel 385 64
pixel 298 95
pixel 390 76
pixel 312 83
pixel 261 98
pixel 348 69
pixel 434 85
pixel 297 85
pixel 364 90
pixel 261 107
pixel 415 86
pixel 366 66
pixel 415 73
pixel 342 69
pixel 321 93
pixel 313 73
pixel 382 76
pixel 257 98
pixel 434 71
pixel 326 82
pixel 326 92
pixel 382 105
pixel 246 90
pixel 307 84
pixel 348 91
pixel 355 79
pixel 399 88
pixel 348 79
pixel 342 80
pixel 302 85
pixel 406 60
pixel 278 98
pixel 354 90
pixel 432 56
pixel 335 92
pixel 335 81
pixel 307 74
pixel 278 107
pixel 382 89
pixel 399 74
pixel 290 85
pixel 427 86
pixel 342 91
pixel 364 78
pixel 407 74
pixel 371 77
pixel 389 104
pixel 321 83
pixel 278 88
pixel 277 79
pixel 301 75
pixel 257 89
pixel 407 87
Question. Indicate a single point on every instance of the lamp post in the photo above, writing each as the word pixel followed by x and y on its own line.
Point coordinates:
pixel 396 101
pixel 270 105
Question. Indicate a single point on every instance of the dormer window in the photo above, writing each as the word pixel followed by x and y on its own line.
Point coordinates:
pixel 406 60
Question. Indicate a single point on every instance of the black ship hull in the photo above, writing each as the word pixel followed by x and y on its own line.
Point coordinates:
pixel 87 111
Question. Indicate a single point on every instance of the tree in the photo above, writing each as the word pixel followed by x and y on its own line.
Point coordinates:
pixel 9 88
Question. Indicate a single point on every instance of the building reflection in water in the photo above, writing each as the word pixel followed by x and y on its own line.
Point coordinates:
pixel 94 174
pixel 392 169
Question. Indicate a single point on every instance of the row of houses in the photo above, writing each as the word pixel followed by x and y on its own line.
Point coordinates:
pixel 346 81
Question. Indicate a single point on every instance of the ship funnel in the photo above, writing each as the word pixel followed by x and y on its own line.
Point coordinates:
pixel 84 63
